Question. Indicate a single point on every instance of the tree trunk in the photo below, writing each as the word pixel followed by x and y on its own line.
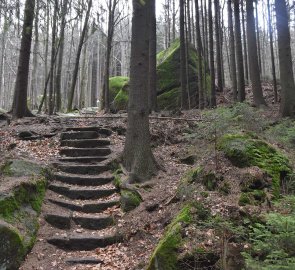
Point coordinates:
pixel 137 156
pixel 246 66
pixel 35 60
pixel 60 56
pixel 111 26
pixel 152 57
pixel 94 70
pixel 233 66
pixel 218 47
pixel 19 107
pixel 285 60
pixel 183 71
pixel 239 52
pixel 253 56
pixel 53 52
pixel 76 68
pixel 273 66
pixel 211 52
pixel 201 74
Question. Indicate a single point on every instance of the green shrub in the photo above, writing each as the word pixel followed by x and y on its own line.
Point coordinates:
pixel 272 244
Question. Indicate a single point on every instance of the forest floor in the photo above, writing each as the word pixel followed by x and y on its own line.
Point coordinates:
pixel 179 146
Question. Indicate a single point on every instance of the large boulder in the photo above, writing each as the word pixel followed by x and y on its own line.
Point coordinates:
pixel 11 247
pixel 168 80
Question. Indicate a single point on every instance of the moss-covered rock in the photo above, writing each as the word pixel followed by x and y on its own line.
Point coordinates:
pixel 165 256
pixel 168 80
pixel 129 200
pixel 21 196
pixel 116 84
pixel 246 150
pixel 121 99
pixel 12 249
pixel 20 167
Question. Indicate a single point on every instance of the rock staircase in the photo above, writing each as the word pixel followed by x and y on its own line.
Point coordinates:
pixel 80 193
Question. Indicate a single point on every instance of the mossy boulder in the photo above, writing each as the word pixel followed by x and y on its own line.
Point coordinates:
pixel 116 84
pixel 22 190
pixel 12 249
pixel 168 80
pixel 129 200
pixel 20 168
pixel 244 150
pixel 121 100
pixel 165 256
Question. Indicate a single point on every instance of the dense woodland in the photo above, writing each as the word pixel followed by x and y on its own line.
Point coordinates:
pixel 183 109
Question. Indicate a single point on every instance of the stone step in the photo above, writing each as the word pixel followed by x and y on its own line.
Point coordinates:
pixel 77 168
pixel 83 159
pixel 84 180
pixel 85 207
pixel 87 143
pixel 85 152
pixel 67 220
pixel 81 242
pixel 84 260
pixel 78 135
pixel 81 193
pixel 100 130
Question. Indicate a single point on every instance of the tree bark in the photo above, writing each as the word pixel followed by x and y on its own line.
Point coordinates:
pixel 60 56
pixel 218 47
pixel 138 158
pixel 76 68
pixel 152 57
pixel 211 52
pixel 273 66
pixel 285 60
pixel 253 56
pixel 239 52
pixel 233 66
pixel 19 107
pixel 183 70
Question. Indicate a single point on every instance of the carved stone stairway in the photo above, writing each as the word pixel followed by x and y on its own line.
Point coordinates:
pixel 80 192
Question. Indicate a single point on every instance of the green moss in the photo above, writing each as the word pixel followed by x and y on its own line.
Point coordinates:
pixel 129 200
pixel 116 84
pixel 5 169
pixel 165 255
pixel 121 100
pixel 31 193
pixel 246 150
pixel 169 100
pixel 117 179
pixel 11 246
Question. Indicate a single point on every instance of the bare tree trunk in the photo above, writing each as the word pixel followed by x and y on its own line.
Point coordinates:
pixel 253 58
pixel 111 26
pixel 246 66
pixel 233 66
pixel 285 59
pixel 201 74
pixel 53 52
pixel 273 66
pixel 183 71
pixel 239 52
pixel 19 107
pixel 211 52
pixel 152 57
pixel 35 59
pixel 76 68
pixel 218 47
pixel 138 158
pixel 94 70
pixel 60 56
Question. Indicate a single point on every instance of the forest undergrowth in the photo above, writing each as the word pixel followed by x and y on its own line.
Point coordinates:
pixel 235 203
